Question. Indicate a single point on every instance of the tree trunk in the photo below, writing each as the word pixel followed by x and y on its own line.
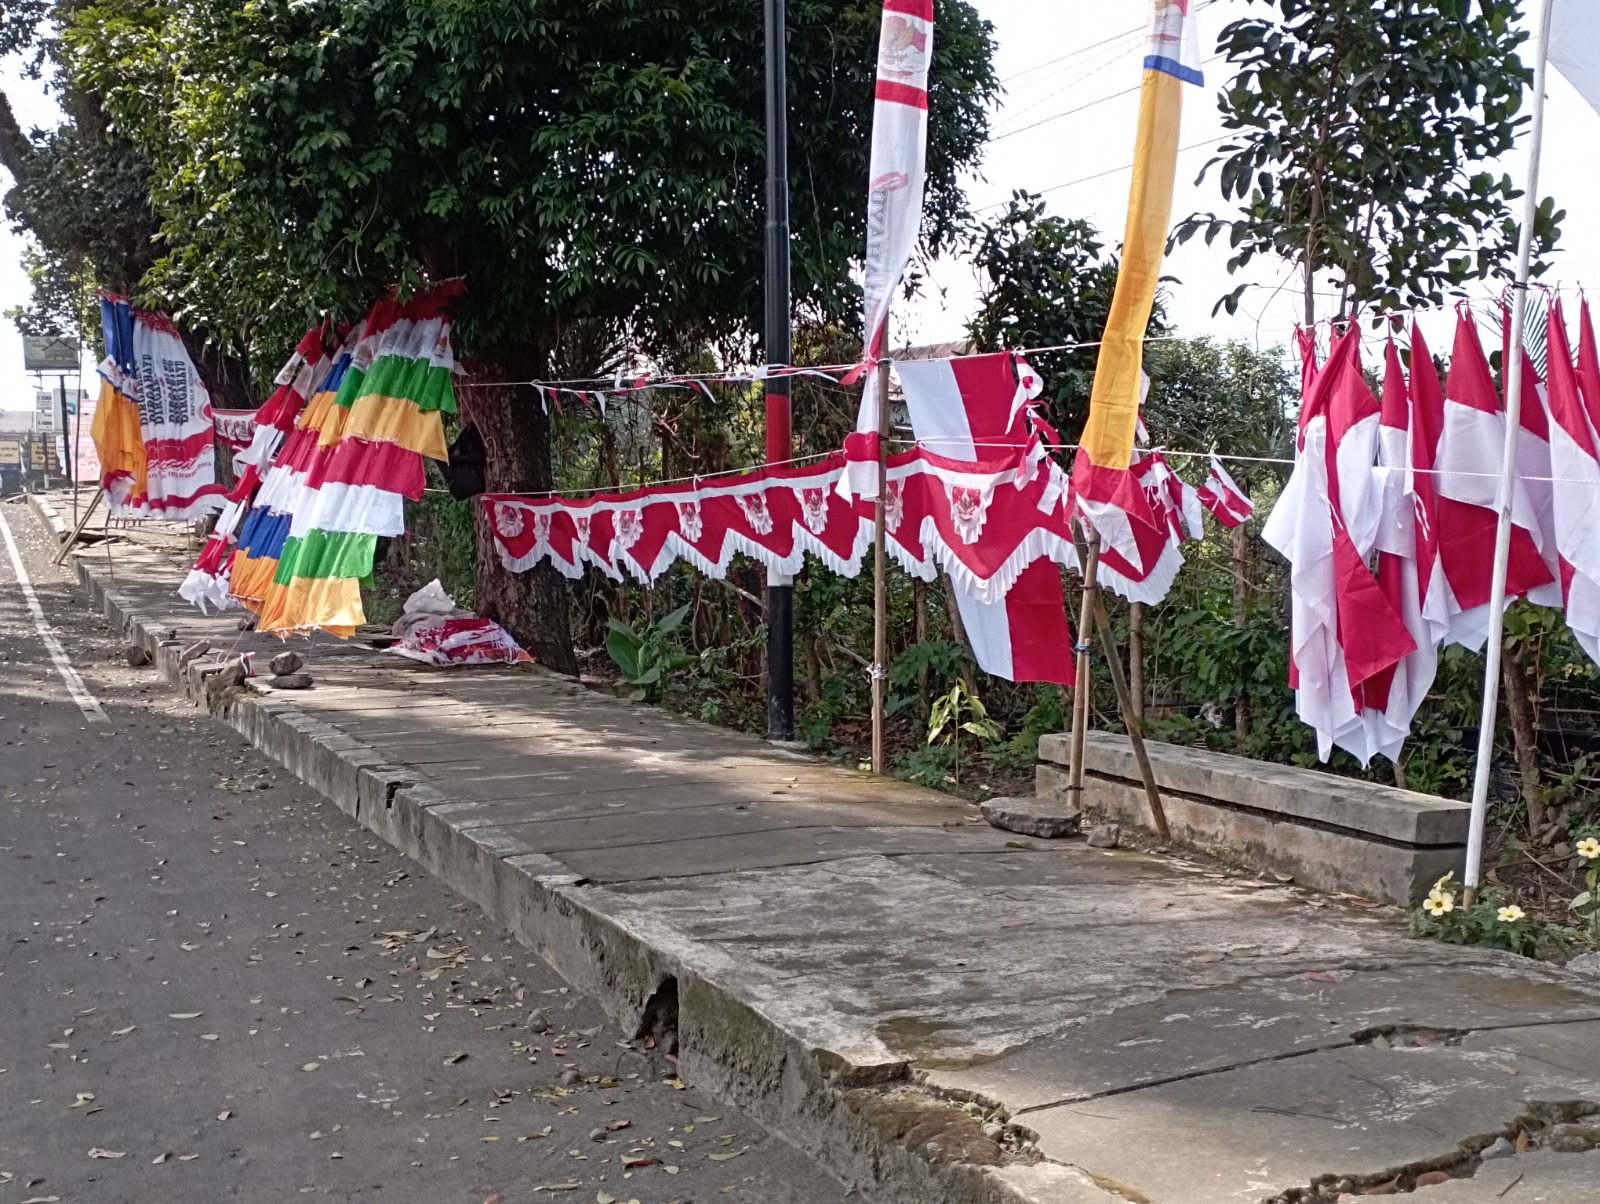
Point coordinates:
pixel 958 629
pixel 1136 656
pixel 1524 734
pixel 1240 550
pixel 919 595
pixel 516 438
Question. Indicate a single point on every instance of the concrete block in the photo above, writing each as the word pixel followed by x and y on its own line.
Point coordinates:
pixel 1286 790
pixel 1321 858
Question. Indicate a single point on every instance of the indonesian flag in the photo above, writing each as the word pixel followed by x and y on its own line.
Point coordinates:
pixel 895 182
pixel 1221 495
pixel 1533 463
pixel 1470 445
pixel 1575 465
pixel 1345 631
pixel 1139 558
pixel 1390 698
pixel 973 408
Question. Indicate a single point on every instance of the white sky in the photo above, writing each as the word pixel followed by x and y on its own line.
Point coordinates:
pixel 1093 145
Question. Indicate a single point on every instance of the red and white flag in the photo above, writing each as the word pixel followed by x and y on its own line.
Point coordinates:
pixel 1575 465
pixel 1390 698
pixel 1221 495
pixel 895 182
pixel 1533 463
pixel 974 408
pixel 1345 632
pixel 1470 446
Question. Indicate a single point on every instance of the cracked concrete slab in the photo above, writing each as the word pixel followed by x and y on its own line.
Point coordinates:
pixel 1248 1133
pixel 1533 1178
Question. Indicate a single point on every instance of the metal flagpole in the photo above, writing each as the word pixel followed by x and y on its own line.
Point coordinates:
pixel 1508 467
pixel 780 441
pixel 880 576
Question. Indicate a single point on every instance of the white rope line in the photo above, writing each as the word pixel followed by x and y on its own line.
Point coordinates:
pixel 705 477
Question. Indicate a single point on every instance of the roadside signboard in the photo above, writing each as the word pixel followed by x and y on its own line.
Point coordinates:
pixel 11 452
pixel 50 353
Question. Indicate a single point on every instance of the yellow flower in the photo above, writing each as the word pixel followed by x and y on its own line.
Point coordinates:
pixel 1439 902
pixel 1589 848
pixel 1511 914
pixel 1438 887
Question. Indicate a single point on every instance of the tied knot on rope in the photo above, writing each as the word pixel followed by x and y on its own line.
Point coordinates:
pixel 877 673
pixel 1082 648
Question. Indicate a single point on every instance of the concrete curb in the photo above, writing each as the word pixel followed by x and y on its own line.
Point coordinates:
pixel 852 1118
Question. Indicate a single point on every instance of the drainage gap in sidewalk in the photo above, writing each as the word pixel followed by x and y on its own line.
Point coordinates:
pixel 1557 1127
pixel 1408 1036
pixel 658 1027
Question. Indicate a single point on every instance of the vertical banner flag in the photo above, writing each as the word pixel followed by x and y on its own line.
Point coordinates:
pixel 1172 59
pixel 1575 45
pixel 895 181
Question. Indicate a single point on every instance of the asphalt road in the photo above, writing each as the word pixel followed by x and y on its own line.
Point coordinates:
pixel 216 986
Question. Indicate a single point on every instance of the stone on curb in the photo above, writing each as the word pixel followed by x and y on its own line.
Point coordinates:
pixel 135 656
pixel 1498 1148
pixel 1105 836
pixel 193 652
pixel 290 681
pixel 227 677
pixel 1032 817
pixel 1585 963
pixel 286 663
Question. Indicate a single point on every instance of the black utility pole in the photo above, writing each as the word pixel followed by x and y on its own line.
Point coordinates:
pixel 780 439
pixel 66 452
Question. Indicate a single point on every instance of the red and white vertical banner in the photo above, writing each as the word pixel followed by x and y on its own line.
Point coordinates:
pixel 895 184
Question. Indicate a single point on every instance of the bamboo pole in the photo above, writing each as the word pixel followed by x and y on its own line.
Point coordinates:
pixel 1080 689
pixel 880 590
pixel 1130 718
pixel 82 523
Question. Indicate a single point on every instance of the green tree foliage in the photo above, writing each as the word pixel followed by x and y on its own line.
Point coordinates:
pixel 1046 281
pixel 1361 127
pixel 583 165
pixel 571 160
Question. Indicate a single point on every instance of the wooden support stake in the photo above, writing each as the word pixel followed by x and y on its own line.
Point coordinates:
pixel 82 523
pixel 880 590
pixel 1080 689
pixel 1158 813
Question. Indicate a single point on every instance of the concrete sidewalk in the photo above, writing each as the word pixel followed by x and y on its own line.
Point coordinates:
pixel 939 1010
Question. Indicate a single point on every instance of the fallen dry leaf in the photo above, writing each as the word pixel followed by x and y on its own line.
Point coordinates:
pixel 123 1032
pixel 1432 1178
pixel 184 1015
pixel 187 1157
pixel 97 1152
pixel 558 1187
pixel 42 1200
pixel 159 1159
pixel 85 1098
pixel 613 1126
pixel 225 1114
pixel 725 1157
pixel 210 1037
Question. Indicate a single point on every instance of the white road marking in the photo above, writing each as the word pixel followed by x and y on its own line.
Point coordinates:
pixel 87 703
